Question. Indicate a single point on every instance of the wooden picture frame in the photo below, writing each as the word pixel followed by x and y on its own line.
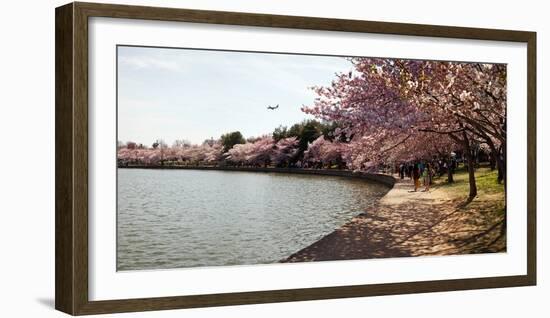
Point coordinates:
pixel 71 157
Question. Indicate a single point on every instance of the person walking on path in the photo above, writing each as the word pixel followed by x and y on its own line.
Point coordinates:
pixel 416 176
pixel 427 177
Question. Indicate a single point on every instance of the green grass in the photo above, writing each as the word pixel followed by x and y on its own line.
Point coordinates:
pixel 486 181
pixel 490 199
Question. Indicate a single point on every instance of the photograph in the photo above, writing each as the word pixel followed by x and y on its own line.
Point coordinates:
pixel 231 158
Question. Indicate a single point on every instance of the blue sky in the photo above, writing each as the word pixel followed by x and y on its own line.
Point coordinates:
pixel 198 94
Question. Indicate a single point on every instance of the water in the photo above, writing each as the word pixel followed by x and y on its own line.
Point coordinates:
pixel 189 218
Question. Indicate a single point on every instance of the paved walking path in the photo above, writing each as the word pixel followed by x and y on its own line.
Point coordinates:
pixel 409 223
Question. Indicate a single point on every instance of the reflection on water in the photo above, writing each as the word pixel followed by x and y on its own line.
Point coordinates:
pixel 188 218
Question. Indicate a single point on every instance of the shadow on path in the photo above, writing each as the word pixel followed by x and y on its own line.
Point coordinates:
pixel 411 224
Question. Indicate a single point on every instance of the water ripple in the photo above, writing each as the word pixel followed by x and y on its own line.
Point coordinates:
pixel 189 218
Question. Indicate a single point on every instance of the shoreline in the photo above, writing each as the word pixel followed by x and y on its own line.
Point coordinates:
pixel 408 224
pixel 384 179
pixel 402 223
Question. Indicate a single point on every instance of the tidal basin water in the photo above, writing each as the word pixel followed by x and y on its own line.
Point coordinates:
pixel 190 218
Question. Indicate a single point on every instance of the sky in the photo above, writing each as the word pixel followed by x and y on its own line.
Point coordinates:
pixel 171 94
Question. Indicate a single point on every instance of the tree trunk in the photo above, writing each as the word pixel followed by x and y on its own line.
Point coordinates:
pixel 471 176
pixel 499 156
pixel 471 166
pixel 492 162
pixel 450 171
pixel 502 166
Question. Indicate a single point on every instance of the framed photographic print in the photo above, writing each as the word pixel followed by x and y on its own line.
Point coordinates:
pixel 211 158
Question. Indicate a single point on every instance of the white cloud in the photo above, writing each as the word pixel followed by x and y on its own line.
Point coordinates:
pixel 149 62
pixel 197 94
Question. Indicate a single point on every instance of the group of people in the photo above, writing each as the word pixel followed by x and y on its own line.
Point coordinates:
pixel 417 171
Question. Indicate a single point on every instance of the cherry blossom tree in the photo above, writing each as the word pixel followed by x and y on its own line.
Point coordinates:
pixel 391 109
pixel 213 153
pixel 285 150
pixel 263 149
pixel 324 152
pixel 259 152
pixel 239 153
